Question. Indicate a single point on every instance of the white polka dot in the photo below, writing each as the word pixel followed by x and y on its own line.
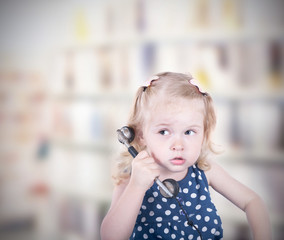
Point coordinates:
pixel 182 233
pixel 198 217
pixel 206 190
pixel 151 213
pixel 198 207
pixel 166 230
pixel 139 229
pixel 151 230
pixel 195 226
pixel 145 236
pixel 204 229
pixel 151 199
pixel 189 183
pixel 188 203
pixel 207 219
pixel 203 197
pixel 164 199
pixel 175 228
pixel 143 219
pixel 213 230
pixel 209 209
pixel 217 233
pixel 173 236
pixel 197 186
pixel 215 221
pixel 159 206
pixel 143 207
pixel 185 190
pixel 190 236
pixel 159 224
pixel 168 212
pixel 155 194
pixel 173 206
pixel 193 175
pixel 199 177
pixel 175 218
pixel 193 195
pixel 159 219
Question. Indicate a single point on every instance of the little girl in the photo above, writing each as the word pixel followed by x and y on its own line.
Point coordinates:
pixel 173 120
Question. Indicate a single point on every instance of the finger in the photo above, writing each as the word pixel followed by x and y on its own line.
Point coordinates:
pixel 143 154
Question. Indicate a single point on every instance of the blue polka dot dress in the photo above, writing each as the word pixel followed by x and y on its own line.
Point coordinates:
pixel 162 218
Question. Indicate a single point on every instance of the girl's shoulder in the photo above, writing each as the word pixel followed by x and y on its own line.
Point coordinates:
pixel 212 171
pixel 218 177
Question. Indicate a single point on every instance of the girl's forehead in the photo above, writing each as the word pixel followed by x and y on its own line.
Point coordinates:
pixel 171 105
pixel 180 108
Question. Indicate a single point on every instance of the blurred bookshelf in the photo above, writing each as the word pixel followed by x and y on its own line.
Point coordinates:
pixel 58 130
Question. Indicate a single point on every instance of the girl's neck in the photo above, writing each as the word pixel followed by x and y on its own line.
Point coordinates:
pixel 177 176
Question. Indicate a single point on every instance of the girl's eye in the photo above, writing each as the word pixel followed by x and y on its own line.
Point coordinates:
pixel 164 132
pixel 189 132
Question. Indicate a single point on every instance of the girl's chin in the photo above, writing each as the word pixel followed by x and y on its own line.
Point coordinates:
pixel 177 172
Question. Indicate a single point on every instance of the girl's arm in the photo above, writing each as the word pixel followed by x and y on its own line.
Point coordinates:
pixel 127 199
pixel 120 219
pixel 242 197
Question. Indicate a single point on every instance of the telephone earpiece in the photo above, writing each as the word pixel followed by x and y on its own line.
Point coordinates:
pixel 169 188
pixel 128 133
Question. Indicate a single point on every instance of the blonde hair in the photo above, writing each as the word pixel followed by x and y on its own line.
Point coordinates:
pixel 173 85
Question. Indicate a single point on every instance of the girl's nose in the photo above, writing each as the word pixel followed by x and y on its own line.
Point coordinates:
pixel 177 145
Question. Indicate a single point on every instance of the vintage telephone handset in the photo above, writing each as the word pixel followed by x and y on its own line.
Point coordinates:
pixel 169 188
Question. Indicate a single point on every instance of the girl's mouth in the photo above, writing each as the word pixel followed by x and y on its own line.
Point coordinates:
pixel 177 161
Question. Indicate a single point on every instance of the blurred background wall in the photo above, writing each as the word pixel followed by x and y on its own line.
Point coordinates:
pixel 69 70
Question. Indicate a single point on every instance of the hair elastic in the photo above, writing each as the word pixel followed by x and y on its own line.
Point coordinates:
pixel 195 83
pixel 149 82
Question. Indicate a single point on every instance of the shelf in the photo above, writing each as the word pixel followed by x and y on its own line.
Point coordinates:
pixel 100 97
pixel 249 96
pixel 242 96
pixel 253 157
pixel 84 147
pixel 194 37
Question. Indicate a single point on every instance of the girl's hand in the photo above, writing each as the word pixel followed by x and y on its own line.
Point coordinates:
pixel 144 170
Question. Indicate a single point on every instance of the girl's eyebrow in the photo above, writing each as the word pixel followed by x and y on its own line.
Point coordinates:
pixel 168 124
pixel 162 124
pixel 194 126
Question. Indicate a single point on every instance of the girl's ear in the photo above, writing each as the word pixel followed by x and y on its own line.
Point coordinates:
pixel 141 139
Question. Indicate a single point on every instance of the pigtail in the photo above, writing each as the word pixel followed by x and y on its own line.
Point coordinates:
pixel 209 126
pixel 122 169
